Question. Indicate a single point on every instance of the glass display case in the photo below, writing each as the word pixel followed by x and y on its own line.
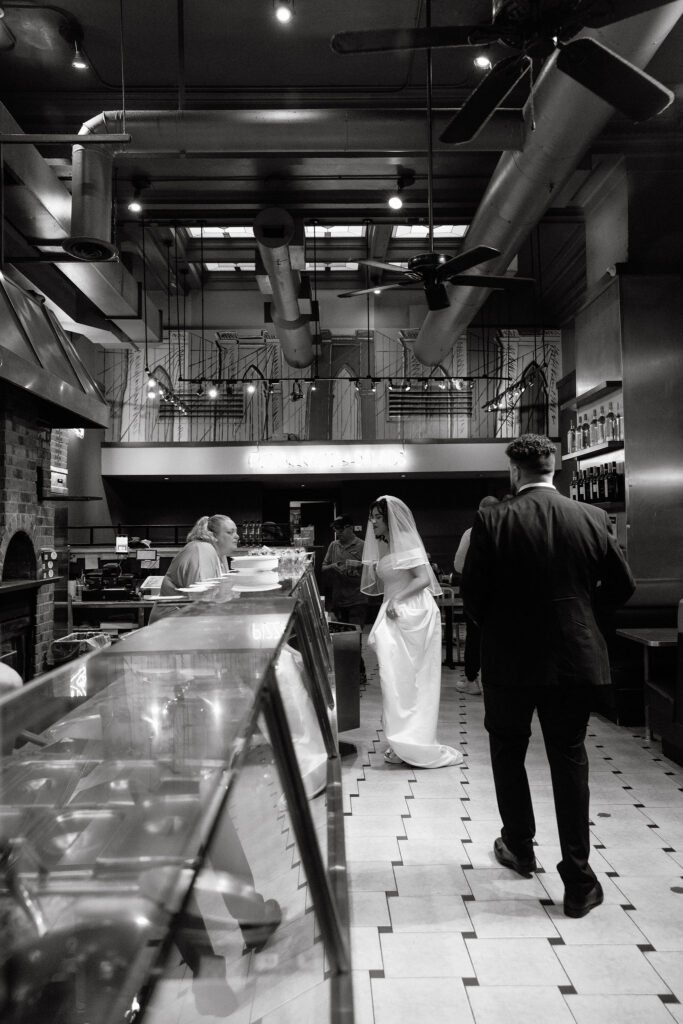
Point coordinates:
pixel 171 830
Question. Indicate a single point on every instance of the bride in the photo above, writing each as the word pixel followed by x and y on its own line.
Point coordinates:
pixel 406 636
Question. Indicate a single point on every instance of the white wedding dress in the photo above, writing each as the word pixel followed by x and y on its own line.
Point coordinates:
pixel 408 651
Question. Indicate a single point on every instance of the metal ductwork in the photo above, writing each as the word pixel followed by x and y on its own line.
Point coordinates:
pixel 274 231
pixel 567 119
pixel 341 132
pixel 41 198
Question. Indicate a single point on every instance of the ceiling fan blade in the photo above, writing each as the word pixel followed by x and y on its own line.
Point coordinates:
pixel 383 266
pixel 411 38
pixel 464 260
pixel 367 291
pixel 628 89
pixel 597 13
pixel 490 280
pixel 481 104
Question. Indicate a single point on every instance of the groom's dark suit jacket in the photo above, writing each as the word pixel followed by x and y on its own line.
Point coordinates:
pixel 540 568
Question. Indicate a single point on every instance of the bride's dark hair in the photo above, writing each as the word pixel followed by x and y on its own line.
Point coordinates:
pixel 381 506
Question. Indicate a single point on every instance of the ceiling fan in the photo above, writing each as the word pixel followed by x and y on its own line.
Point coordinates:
pixel 534 28
pixel 433 269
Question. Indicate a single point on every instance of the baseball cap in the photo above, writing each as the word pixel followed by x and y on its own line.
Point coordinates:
pixel 341 521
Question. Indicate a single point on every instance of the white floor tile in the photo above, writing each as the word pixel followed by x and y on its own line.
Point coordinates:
pixel 431 912
pixel 606 925
pixel 440 1000
pixel 618 1009
pixel 506 919
pixel 513 962
pixel 417 955
pixel 417 879
pixel 603 970
pixel 518 1005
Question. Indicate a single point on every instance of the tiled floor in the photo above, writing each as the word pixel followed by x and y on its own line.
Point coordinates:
pixel 441 932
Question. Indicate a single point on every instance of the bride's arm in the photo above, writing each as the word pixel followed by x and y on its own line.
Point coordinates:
pixel 419 580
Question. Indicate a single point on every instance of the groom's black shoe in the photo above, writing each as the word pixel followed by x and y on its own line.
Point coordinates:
pixel 508 859
pixel 580 905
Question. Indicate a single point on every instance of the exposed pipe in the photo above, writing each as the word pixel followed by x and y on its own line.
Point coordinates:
pixel 342 132
pixel 568 118
pixel 273 231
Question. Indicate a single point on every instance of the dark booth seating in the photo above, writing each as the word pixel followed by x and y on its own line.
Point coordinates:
pixel 654 603
pixel 664 700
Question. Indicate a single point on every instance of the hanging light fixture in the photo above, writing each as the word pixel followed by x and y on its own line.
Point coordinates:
pixel 79 62
pixel 213 390
pixel 404 180
pixel 284 11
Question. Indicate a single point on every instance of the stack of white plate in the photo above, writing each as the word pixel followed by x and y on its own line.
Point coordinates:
pixel 255 572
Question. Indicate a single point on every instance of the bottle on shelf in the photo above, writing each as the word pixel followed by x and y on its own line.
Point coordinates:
pixel 601 426
pixel 593 429
pixel 619 424
pixel 585 432
pixel 621 481
pixel 610 425
pixel 574 486
pixel 580 486
pixel 571 439
pixel 602 482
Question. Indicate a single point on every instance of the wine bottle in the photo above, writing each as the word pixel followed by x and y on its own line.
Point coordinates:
pixel 602 482
pixel 593 429
pixel 601 425
pixel 574 486
pixel 610 425
pixel 619 424
pixel 571 439
pixel 585 432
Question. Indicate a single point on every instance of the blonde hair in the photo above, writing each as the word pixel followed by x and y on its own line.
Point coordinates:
pixel 206 528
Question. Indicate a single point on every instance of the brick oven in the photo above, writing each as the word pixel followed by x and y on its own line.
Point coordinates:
pixel 43 384
pixel 26 526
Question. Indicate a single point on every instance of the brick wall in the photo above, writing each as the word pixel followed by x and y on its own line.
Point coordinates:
pixel 24 449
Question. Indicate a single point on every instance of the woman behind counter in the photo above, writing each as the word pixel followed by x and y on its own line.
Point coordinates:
pixel 406 636
pixel 211 540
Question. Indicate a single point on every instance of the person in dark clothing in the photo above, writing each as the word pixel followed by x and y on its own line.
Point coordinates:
pixel 470 684
pixel 342 568
pixel 539 572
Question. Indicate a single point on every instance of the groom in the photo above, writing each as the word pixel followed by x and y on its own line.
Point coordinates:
pixel 540 568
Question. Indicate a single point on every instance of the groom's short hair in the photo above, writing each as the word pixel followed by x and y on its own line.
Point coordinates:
pixel 534 453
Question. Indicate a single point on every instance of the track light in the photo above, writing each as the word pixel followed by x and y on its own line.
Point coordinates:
pixel 297 393
pixel 251 387
pixel 284 11
pixel 314 386
pixel 373 385
pixel 390 385
pixel 406 386
pixel 404 180
pixel 213 391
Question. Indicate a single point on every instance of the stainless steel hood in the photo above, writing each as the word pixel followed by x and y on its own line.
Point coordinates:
pixel 39 364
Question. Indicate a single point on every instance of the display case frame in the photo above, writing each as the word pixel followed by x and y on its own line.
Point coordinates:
pixel 29 718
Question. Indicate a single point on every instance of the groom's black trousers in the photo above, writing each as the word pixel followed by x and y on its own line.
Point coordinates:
pixel 563 713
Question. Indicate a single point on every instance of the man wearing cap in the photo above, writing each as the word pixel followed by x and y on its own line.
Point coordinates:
pixel 342 567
